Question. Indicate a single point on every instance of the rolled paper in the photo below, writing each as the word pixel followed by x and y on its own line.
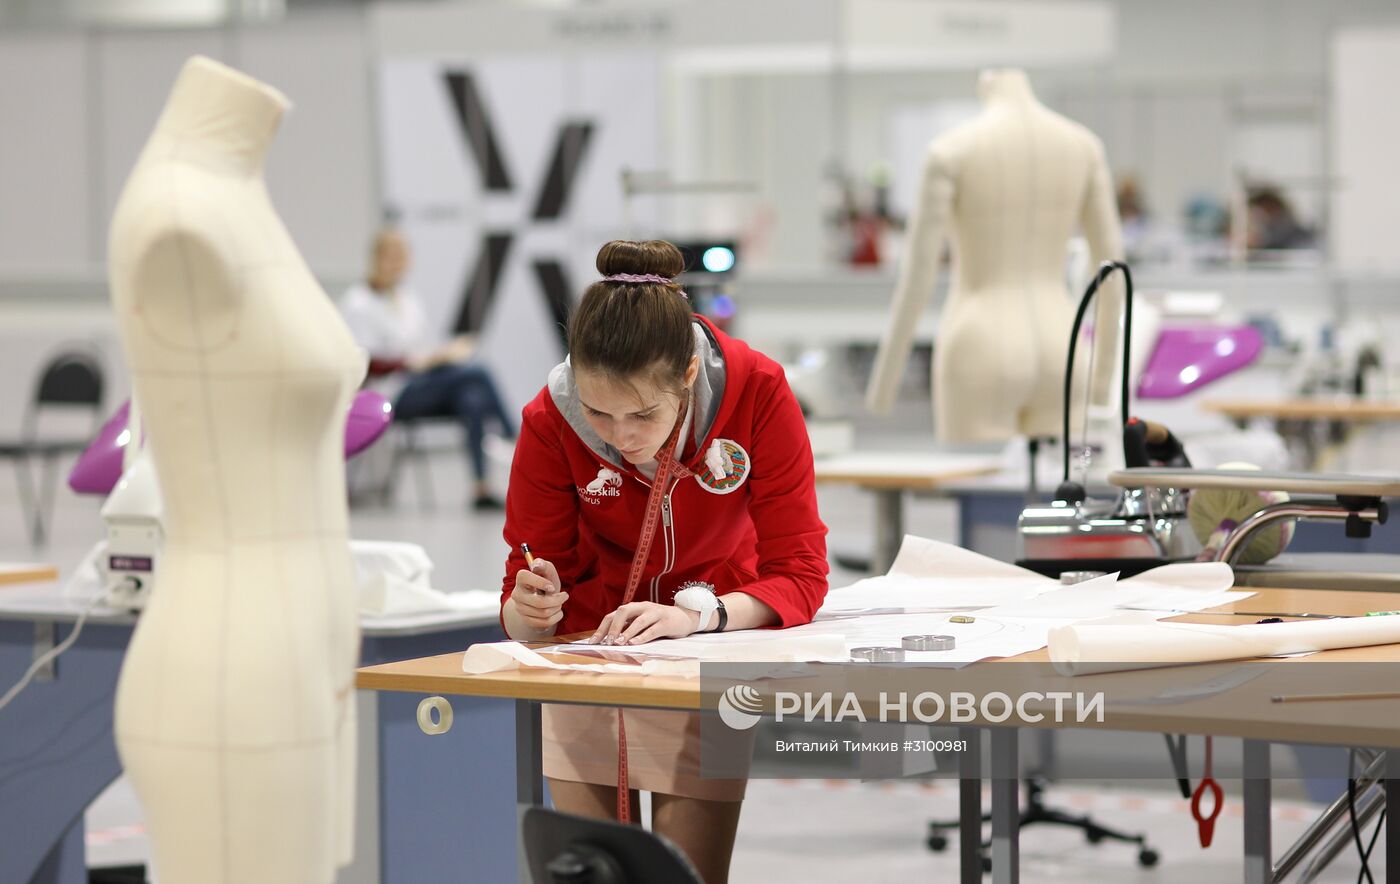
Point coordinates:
pixel 1090 648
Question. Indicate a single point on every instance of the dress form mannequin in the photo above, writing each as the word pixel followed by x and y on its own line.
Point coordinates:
pixel 1012 186
pixel 234 710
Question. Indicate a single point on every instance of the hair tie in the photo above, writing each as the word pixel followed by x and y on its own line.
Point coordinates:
pixel 640 277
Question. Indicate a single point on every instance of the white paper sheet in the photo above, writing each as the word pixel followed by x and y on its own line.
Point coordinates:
pixel 982 639
pixel 929 575
pixel 1013 610
pixel 496 656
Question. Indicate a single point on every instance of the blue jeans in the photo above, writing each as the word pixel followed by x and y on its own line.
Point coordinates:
pixel 466 392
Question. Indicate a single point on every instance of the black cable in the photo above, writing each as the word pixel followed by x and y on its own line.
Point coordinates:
pixel 1375 834
pixel 1069 364
pixel 1105 271
pixel 1365 873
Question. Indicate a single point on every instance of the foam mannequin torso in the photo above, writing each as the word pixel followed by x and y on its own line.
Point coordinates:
pixel 1012 185
pixel 234 710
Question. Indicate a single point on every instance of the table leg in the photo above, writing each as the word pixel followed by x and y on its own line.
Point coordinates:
pixel 1006 807
pixel 28 505
pixel 889 528
pixel 529 776
pixel 1258 848
pixel 1392 801
pixel 970 807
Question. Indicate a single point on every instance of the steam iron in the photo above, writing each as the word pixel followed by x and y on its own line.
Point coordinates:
pixel 1139 528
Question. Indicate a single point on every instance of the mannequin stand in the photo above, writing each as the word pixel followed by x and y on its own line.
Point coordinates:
pixel 1035 811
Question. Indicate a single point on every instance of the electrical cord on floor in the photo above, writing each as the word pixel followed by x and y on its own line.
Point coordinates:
pixel 53 652
pixel 1364 851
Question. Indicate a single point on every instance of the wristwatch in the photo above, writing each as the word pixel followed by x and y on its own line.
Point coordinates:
pixel 700 597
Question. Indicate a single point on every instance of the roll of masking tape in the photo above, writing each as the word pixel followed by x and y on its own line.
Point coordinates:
pixel 425 716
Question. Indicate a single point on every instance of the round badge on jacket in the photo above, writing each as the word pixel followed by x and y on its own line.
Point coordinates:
pixel 726 467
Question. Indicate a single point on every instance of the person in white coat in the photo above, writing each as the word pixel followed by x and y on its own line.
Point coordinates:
pixel 387 319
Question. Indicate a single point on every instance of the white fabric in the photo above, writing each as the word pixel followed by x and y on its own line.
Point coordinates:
pixel 395 579
pixel 385 595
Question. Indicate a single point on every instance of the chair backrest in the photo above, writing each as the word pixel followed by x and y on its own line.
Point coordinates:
pixel 70 378
pixel 564 848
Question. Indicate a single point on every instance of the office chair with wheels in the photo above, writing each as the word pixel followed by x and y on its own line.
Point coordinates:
pixel 73 379
pixel 566 849
pixel 1035 811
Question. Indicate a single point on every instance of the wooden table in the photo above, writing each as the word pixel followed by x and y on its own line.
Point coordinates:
pixel 1345 408
pixel 1304 421
pixel 888 475
pixel 1369 723
pixel 27 572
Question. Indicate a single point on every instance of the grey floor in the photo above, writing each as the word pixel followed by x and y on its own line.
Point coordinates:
pixel 791 830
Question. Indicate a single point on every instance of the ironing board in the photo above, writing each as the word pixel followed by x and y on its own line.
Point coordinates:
pixel 1360 572
pixel 1321 484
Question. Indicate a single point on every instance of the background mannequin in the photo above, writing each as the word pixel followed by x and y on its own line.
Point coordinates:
pixel 1012 185
pixel 234 714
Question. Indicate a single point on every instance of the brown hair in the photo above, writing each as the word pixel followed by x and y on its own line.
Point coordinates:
pixel 629 330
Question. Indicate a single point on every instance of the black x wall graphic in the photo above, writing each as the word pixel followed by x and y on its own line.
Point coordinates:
pixel 570 147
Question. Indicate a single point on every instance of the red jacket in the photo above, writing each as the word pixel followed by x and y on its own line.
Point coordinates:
pixel 577 502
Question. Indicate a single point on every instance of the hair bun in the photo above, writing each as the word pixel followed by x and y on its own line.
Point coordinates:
pixel 655 258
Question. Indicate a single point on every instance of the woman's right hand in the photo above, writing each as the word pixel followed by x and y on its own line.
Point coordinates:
pixel 539 597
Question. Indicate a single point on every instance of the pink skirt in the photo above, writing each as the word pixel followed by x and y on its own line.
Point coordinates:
pixel 663 750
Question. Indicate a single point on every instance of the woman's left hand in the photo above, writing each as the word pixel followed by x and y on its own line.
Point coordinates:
pixel 640 622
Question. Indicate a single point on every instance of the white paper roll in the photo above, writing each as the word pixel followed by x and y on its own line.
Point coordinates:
pixel 1089 648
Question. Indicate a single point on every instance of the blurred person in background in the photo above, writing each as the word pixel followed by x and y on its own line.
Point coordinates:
pixel 388 321
pixel 1272 223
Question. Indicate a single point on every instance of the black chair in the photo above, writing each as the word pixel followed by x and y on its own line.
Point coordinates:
pixel 73 379
pixel 409 448
pixel 1035 811
pixel 566 849
pixel 377 482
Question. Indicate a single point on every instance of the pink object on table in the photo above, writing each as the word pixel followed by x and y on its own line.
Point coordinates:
pixel 100 465
pixel 1186 359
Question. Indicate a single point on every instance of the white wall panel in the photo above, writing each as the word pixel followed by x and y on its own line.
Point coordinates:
pixel 320 169
pixel 45 181
pixel 135 71
pixel 1366 131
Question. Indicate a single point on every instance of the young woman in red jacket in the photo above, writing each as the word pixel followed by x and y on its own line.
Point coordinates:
pixel 656 409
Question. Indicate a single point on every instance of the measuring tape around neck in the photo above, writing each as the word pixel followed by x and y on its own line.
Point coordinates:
pixel 666 467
